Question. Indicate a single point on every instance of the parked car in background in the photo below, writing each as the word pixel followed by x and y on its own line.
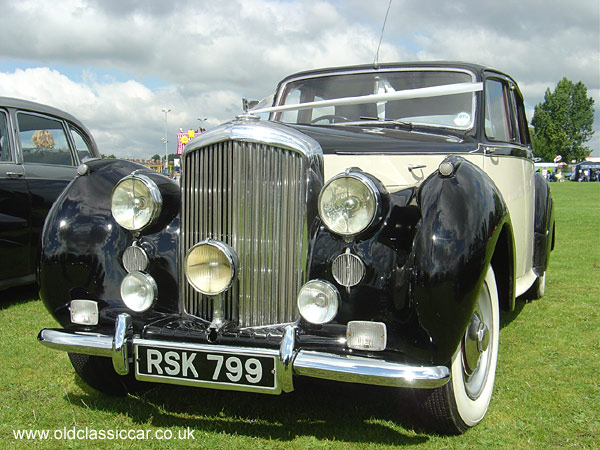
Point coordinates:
pixel 40 148
pixel 369 232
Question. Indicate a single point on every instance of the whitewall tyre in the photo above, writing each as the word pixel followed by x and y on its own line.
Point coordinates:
pixel 463 402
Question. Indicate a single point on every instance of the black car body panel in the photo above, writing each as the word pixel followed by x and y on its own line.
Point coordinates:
pixel 29 183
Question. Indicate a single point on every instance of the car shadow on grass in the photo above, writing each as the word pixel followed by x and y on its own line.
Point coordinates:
pixel 20 294
pixel 506 317
pixel 317 408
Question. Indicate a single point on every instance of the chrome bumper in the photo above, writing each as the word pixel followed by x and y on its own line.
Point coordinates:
pixel 345 368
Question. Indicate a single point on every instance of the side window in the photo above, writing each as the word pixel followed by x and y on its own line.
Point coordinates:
pixel 4 139
pixel 497 113
pixel 43 140
pixel 522 120
pixel 81 144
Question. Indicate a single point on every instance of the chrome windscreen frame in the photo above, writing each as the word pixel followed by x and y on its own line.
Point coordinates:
pixel 305 76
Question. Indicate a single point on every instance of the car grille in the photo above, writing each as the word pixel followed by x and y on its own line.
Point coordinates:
pixel 252 197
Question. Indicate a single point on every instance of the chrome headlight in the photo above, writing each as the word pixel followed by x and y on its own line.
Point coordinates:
pixel 138 291
pixel 211 267
pixel 348 203
pixel 136 202
pixel 318 301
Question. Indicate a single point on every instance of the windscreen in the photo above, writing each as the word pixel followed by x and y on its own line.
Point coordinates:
pixel 438 109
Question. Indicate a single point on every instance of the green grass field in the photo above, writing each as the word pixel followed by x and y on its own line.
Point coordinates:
pixel 547 392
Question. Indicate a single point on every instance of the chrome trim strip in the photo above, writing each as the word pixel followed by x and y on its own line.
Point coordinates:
pixel 120 350
pixel 88 344
pixel 345 368
pixel 355 369
pixel 259 132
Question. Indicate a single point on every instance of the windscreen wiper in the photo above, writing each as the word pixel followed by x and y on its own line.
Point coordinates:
pixel 389 121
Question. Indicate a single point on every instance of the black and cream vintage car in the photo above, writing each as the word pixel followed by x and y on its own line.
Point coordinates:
pixel 365 224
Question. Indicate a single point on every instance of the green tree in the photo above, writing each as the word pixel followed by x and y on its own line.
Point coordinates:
pixel 563 122
pixel 156 157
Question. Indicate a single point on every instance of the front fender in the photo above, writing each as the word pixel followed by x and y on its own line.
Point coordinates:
pixel 462 217
pixel 82 245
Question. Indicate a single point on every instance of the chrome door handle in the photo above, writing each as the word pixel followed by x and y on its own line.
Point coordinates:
pixel 14 174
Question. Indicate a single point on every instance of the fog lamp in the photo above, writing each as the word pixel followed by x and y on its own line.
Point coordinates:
pixel 138 291
pixel 362 335
pixel 211 267
pixel 84 312
pixel 318 301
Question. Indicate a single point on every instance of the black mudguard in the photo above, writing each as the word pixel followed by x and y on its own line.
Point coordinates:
pixel 426 263
pixel 82 244
pixel 462 217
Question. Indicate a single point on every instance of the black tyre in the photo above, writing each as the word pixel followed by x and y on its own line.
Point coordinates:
pixel 537 289
pixel 98 373
pixel 463 402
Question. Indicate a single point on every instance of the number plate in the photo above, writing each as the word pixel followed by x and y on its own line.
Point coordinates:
pixel 184 366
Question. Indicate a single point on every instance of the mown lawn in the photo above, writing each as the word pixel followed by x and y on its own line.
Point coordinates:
pixel 547 391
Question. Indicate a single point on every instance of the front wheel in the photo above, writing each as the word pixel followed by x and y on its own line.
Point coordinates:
pixel 98 372
pixel 463 402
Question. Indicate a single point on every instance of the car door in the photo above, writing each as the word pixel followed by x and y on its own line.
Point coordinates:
pixel 14 211
pixel 508 161
pixel 49 164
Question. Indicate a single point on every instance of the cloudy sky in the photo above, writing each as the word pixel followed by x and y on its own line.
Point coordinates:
pixel 115 64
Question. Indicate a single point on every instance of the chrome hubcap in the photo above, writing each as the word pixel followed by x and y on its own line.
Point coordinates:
pixel 476 352
pixel 476 341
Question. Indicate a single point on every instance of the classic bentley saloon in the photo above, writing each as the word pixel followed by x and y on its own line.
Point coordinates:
pixel 367 229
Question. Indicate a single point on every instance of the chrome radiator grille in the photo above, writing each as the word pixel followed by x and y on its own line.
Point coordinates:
pixel 252 197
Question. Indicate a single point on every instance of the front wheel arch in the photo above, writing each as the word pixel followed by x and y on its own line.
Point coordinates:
pixel 503 263
pixel 463 402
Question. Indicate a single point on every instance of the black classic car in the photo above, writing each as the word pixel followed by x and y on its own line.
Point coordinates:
pixel 369 232
pixel 40 149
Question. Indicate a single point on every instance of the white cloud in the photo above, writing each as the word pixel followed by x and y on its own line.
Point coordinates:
pixel 125 118
pixel 122 62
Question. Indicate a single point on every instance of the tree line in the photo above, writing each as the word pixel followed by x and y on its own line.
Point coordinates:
pixel 563 123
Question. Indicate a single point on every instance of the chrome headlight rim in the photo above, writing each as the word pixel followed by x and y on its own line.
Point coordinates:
pixel 229 254
pixel 373 189
pixel 149 283
pixel 155 196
